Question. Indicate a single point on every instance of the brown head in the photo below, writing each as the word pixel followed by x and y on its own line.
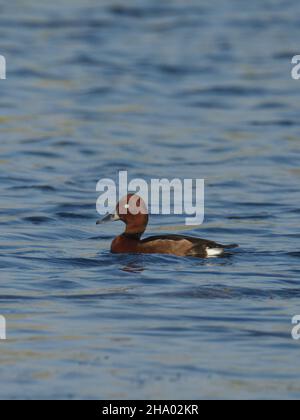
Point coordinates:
pixel 133 212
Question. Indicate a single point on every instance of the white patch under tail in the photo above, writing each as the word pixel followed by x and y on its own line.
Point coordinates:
pixel 214 252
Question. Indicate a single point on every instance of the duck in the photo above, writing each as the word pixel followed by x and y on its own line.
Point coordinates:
pixel 132 210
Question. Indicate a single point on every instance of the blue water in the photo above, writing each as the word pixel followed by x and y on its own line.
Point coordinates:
pixel 162 89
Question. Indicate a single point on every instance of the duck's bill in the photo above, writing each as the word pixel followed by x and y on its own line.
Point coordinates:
pixel 108 218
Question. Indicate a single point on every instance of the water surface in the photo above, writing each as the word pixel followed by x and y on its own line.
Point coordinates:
pixel 162 89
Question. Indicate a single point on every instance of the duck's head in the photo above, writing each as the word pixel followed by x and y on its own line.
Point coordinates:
pixel 131 210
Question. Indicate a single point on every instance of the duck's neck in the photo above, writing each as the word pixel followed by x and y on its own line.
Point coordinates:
pixel 136 226
pixel 134 232
pixel 132 236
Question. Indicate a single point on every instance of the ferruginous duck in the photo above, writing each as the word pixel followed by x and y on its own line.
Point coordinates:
pixel 133 212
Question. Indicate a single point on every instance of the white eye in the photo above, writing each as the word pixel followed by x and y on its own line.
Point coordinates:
pixel 126 206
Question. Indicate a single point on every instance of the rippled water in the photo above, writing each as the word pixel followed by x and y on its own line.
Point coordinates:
pixel 189 89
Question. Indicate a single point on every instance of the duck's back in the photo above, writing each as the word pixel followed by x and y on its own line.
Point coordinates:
pixel 181 245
